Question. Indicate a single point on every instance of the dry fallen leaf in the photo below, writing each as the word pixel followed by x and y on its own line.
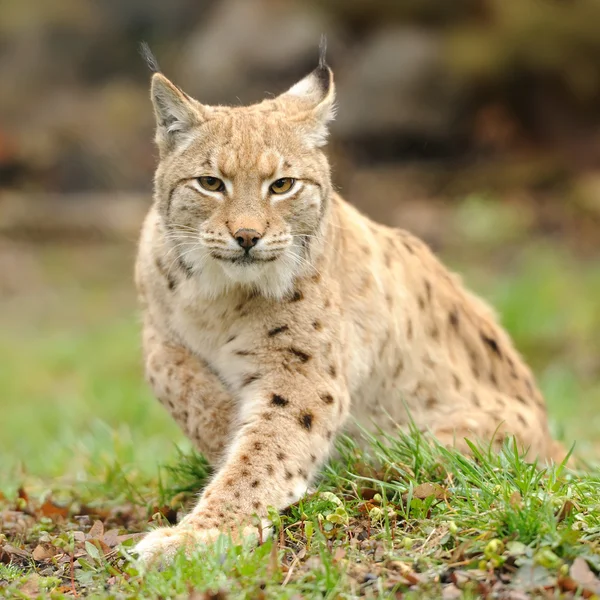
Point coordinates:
pixel 425 490
pixel 565 511
pixel 515 500
pixel 44 552
pixel 49 509
pixel 31 588
pixel 584 576
pixel 97 530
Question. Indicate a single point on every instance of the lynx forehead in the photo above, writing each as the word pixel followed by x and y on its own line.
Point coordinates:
pixel 276 315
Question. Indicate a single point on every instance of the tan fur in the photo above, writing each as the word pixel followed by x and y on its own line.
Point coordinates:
pixel 262 363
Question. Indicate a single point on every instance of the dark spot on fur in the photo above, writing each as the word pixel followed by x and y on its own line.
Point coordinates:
pixel 399 368
pixel 270 469
pixel 333 371
pixel 267 416
pixel 317 325
pixel 521 399
pixel 248 379
pixel 428 290
pixel 244 352
pixel 302 473
pixel 256 505
pixel 409 329
pixel 475 399
pixel 457 382
pixel 435 333
pixel 329 435
pixel 151 380
pixel 306 420
pixel 491 343
pixel 257 446
pixel 521 419
pixel 231 338
pixel 327 398
pixel 313 458
pixel 187 269
pixel 278 330
pixel 245 473
pixel 316 277
pixel 421 302
pixel 255 483
pixel 388 260
pixel 454 318
pixel 431 402
pixel 280 456
pixel 493 378
pixel 278 400
pixel 236 495
pixel 529 386
pixel 297 296
pixel 229 482
pixel 289 475
pixel 408 247
pixel 301 355
pixel 245 458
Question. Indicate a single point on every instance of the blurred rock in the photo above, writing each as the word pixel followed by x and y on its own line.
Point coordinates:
pixel 397 86
pixel 245 49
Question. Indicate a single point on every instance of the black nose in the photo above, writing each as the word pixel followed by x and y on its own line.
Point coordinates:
pixel 247 238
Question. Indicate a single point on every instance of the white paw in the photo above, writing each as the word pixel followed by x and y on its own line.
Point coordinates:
pixel 160 546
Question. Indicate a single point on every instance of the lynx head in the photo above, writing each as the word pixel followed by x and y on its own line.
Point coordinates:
pixel 243 191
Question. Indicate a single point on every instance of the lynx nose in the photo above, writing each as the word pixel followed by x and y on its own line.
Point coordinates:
pixel 247 238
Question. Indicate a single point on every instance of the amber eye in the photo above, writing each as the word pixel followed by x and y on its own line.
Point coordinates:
pixel 212 184
pixel 281 186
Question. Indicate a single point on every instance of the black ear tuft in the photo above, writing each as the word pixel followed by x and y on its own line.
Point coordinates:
pixel 322 52
pixel 149 58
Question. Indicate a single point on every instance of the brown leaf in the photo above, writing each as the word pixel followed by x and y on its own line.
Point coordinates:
pixel 15 551
pixel 515 500
pixel 584 576
pixel 339 553
pixel 49 509
pixel 425 490
pixel 97 530
pixel 31 588
pixel 23 494
pixel 167 512
pixel 368 493
pixel 567 508
pixel 44 552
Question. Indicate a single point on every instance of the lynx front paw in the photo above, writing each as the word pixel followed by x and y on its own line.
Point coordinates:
pixel 160 546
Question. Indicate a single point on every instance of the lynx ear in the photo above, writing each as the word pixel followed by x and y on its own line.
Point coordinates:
pixel 176 113
pixel 311 101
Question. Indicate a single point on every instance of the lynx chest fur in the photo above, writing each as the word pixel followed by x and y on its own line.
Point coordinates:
pixel 277 316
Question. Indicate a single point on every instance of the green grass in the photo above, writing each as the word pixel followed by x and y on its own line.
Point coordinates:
pixel 79 427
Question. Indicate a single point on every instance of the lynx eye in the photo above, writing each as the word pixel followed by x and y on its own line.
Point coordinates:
pixel 281 186
pixel 211 184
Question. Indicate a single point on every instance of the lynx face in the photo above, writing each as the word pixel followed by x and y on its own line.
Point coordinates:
pixel 243 191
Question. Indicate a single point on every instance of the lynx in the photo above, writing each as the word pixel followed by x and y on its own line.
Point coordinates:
pixel 276 316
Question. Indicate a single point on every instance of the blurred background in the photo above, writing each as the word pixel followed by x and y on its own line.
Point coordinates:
pixel 473 123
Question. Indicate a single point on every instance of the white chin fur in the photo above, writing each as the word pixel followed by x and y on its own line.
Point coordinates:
pixel 270 279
